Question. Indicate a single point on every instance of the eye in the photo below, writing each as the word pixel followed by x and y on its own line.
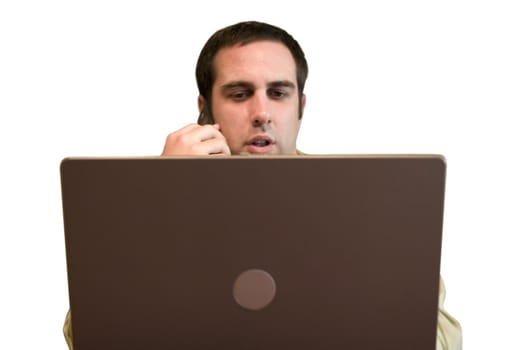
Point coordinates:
pixel 240 95
pixel 277 94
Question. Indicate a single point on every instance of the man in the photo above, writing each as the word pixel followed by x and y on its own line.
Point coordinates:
pixel 251 78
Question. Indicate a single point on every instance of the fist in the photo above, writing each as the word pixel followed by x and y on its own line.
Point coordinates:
pixel 196 139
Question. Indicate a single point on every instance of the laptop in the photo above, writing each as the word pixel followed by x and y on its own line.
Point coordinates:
pixel 299 252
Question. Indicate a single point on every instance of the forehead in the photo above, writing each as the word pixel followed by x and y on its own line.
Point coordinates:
pixel 259 61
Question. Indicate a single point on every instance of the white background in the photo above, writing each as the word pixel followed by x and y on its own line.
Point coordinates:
pixel 115 77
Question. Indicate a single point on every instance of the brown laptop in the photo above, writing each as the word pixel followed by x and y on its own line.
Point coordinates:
pixel 307 252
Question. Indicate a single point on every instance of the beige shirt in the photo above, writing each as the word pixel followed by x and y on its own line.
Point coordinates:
pixel 449 335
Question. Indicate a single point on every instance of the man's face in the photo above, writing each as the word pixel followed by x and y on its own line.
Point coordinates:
pixel 255 98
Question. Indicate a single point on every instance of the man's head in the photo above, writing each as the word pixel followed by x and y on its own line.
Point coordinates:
pixel 251 78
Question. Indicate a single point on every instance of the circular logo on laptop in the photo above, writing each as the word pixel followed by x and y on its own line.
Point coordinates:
pixel 254 289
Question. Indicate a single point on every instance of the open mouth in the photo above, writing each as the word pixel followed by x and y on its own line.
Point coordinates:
pixel 260 143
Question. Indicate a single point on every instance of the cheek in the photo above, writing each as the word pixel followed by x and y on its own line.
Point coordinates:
pixel 227 123
pixel 289 119
pixel 229 128
pixel 230 119
pixel 228 132
pixel 223 113
pixel 289 128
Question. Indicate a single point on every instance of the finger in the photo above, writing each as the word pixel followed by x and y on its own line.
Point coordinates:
pixel 195 133
pixel 206 132
pixel 213 146
pixel 192 140
pixel 188 128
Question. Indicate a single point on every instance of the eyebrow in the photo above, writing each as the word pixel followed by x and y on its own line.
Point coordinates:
pixel 236 84
pixel 245 84
pixel 282 83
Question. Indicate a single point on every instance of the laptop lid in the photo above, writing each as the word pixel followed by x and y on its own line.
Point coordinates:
pixel 307 252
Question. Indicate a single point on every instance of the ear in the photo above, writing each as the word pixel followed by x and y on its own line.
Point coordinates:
pixel 201 102
pixel 302 104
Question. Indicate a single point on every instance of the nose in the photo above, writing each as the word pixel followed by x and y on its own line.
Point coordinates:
pixel 261 119
pixel 260 111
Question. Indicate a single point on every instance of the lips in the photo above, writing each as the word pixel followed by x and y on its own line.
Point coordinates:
pixel 260 144
pixel 260 141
